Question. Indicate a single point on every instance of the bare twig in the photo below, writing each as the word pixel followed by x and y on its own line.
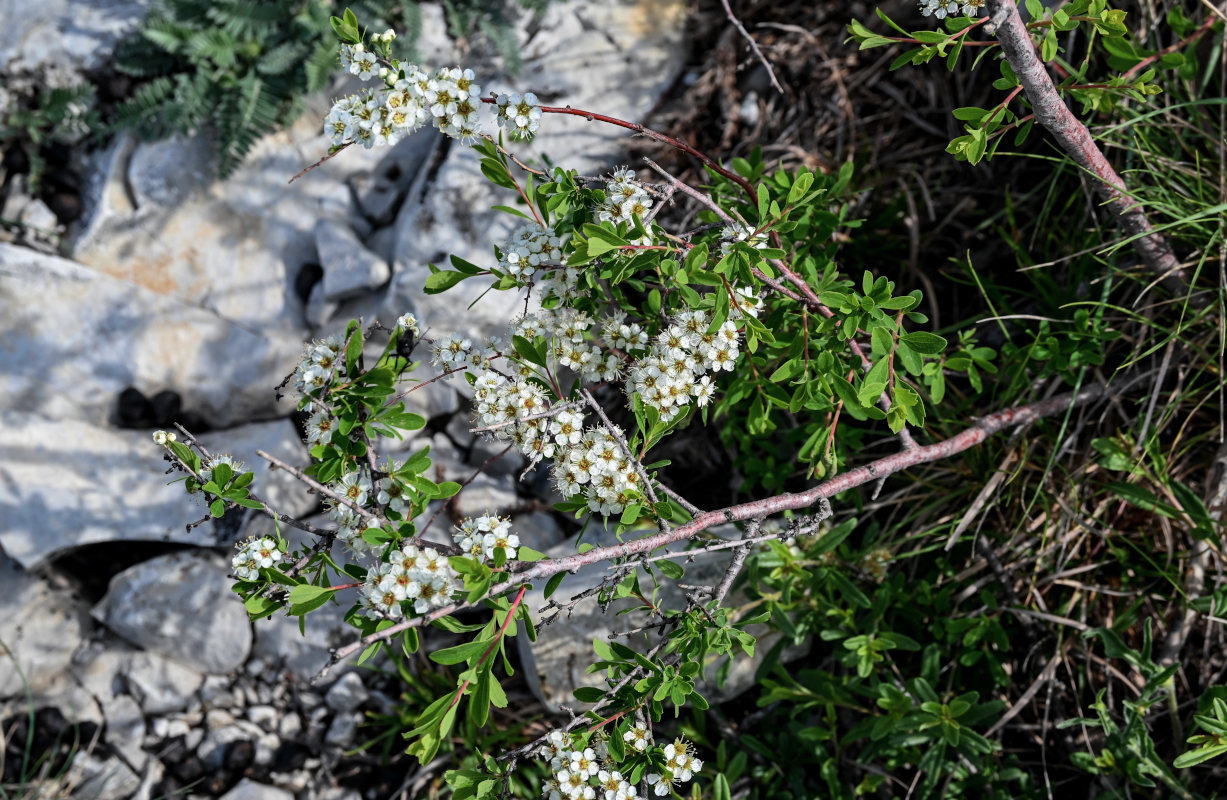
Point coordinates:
pixel 753 45
pixel 340 500
pixel 739 560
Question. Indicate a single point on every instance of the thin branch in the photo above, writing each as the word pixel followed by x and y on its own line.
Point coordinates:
pixel 739 560
pixel 268 510
pixel 753 45
pixel 340 500
pixel 1074 138
pixel 592 116
pixel 757 509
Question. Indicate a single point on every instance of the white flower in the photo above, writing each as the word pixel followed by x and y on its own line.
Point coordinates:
pixel 363 64
pixel 614 785
pixel 408 322
pixel 237 467
pixel 391 494
pixel 164 437
pixel 639 737
pixel 354 487
pixel 320 426
pixel 519 114
pixel 585 762
pixel 530 247
pixel 452 351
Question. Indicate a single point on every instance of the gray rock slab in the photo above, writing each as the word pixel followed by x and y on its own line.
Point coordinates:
pixel 90 335
pixel 180 606
pixel 303 656
pixel 71 482
pixel 99 779
pixel 486 494
pixel 380 191
pixel 161 685
pixel 125 729
pixel 84 33
pixel 247 789
pixel 233 246
pixel 41 626
pixel 350 270
pixel 346 694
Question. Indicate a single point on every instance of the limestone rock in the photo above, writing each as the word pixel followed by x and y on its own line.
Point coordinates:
pixel 350 269
pixel 74 338
pixel 613 57
pixel 63 487
pixel 99 779
pixel 160 684
pixel 40 626
pixel 180 606
pixel 64 35
pixel 233 246
pixel 346 694
pixel 247 789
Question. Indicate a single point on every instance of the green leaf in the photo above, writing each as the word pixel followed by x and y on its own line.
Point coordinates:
pixel 874 383
pixel 443 280
pixel 929 344
pixel 1143 498
pixel 528 554
pixel 671 570
pixel 1198 756
pixel 461 652
pixel 306 597
pixel 589 694
pixel 1048 50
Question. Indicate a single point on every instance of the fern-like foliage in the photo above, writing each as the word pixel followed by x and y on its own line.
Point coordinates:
pixel 242 67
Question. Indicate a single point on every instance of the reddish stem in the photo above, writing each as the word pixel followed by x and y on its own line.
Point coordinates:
pixel 651 134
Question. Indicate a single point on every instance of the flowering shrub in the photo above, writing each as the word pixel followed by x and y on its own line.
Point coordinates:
pixel 744 319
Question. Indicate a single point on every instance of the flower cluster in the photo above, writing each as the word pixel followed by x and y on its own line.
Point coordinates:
pixel 949 8
pixel 448 99
pixel 356 488
pixel 254 555
pixel 412 97
pixel 320 364
pixel 529 248
pixel 581 772
pixel 675 370
pixel 480 537
pixel 520 114
pixel 625 198
pixel 423 577
pixel 164 437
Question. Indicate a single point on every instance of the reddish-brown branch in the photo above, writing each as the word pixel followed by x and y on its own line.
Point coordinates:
pixel 651 134
pixel 1076 141
pixel 1188 40
pixel 759 509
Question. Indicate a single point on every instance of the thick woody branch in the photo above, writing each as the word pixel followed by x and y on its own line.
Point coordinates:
pixel 1074 138
pixel 525 572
